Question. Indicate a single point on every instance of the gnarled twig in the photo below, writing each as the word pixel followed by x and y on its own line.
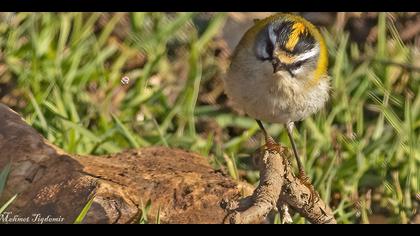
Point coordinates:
pixel 278 186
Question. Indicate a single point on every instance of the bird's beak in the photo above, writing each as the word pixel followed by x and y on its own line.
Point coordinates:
pixel 279 66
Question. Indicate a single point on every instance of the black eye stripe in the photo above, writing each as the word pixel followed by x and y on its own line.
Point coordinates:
pixel 296 65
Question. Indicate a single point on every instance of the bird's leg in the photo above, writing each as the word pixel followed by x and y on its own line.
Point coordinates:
pixel 269 141
pixel 302 175
pixel 289 128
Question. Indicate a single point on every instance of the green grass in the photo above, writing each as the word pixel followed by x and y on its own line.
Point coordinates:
pixel 69 67
pixel 4 173
pixel 79 219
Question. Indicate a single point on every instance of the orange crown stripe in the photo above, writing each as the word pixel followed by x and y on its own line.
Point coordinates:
pixel 297 29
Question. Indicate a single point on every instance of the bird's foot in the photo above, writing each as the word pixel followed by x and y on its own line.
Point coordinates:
pixel 271 145
pixel 304 179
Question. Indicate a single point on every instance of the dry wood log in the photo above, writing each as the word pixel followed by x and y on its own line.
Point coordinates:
pixel 180 185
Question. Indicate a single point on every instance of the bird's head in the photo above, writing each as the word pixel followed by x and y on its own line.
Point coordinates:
pixel 291 44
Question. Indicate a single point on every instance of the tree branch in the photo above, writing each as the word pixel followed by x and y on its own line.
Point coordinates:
pixel 279 186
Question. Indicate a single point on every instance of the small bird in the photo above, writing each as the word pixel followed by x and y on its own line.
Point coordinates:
pixel 278 73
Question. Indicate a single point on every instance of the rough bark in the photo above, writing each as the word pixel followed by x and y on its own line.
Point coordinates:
pixel 279 188
pixel 180 185
pixel 49 182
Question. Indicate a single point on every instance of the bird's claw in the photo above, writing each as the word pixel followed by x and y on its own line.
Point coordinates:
pixel 271 145
pixel 304 179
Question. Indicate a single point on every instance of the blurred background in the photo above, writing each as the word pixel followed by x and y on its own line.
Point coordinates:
pixel 98 83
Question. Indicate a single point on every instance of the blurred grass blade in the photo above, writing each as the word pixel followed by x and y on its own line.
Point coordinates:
pixel 7 204
pixel 3 176
pixel 212 29
pixel 87 134
pixel 382 39
pixel 232 168
pixel 137 20
pixel 145 211
pixel 389 114
pixel 161 135
pixel 39 113
pixel 158 215
pixel 84 211
pixel 128 135
pixel 168 31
